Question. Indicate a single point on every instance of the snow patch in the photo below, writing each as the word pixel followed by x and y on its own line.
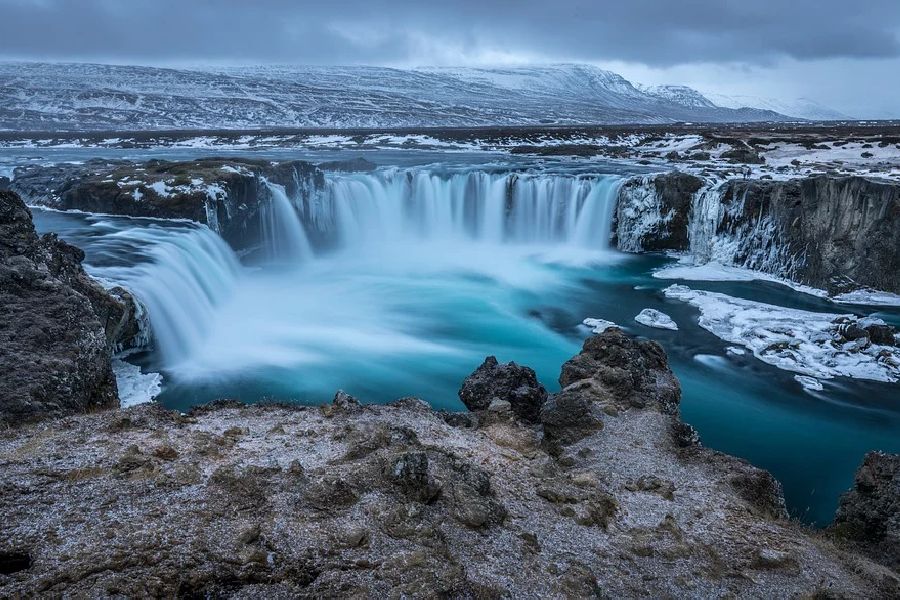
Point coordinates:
pixel 869 297
pixel 716 271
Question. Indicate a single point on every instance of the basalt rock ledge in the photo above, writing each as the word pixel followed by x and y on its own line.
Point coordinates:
pixel 603 493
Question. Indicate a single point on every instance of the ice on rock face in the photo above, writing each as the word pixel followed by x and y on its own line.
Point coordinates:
pixel 599 325
pixel 806 342
pixel 654 318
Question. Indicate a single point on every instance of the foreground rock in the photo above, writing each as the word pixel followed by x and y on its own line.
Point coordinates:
pixel 869 514
pixel 228 195
pixel 401 501
pixel 57 325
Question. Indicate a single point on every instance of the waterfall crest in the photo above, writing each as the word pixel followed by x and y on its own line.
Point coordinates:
pixel 396 205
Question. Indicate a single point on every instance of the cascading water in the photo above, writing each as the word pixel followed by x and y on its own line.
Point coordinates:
pixel 381 264
pixel 180 275
pixel 395 206
pixel 284 240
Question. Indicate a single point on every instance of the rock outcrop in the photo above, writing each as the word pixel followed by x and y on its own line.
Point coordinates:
pixel 514 385
pixel 351 500
pixel 835 233
pixel 225 194
pixel 57 325
pixel 653 212
pixel 869 514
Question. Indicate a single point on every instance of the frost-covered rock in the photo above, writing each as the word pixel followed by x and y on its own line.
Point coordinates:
pixel 815 344
pixel 654 318
pixel 58 327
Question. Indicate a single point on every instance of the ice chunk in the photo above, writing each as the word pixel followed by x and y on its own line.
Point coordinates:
pixel 599 325
pixel 654 318
pixel 808 343
pixel 810 384
pixel 870 297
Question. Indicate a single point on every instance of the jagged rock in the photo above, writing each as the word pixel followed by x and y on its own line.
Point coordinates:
pixel 685 435
pixel 836 233
pixel 280 501
pixel 762 491
pixel 57 326
pixel 653 212
pixel 832 232
pixel 878 331
pixel 568 417
pixel 635 372
pixel 869 514
pixel 409 472
pixel 508 382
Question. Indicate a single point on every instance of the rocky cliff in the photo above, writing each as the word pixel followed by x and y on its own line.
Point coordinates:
pixel 57 326
pixel 597 491
pixel 869 514
pixel 835 233
pixel 225 194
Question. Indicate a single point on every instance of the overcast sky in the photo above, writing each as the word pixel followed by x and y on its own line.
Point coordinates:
pixel 841 53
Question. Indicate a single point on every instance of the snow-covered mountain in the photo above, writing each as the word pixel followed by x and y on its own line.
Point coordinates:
pixel 802 108
pixel 680 94
pixel 44 96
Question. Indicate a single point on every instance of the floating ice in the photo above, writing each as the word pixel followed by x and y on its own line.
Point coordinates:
pixel 870 297
pixel 794 340
pixel 810 384
pixel 599 325
pixel 716 271
pixel 654 318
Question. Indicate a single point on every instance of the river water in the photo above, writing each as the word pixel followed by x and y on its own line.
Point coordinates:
pixel 400 282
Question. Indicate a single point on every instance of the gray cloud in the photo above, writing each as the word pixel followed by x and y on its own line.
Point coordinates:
pixel 653 32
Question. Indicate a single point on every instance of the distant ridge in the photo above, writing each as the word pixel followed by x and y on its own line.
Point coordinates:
pixel 80 96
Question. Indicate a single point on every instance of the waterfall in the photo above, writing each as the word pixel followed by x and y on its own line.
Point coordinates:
pixel 187 276
pixel 284 239
pixel 357 210
pixel 182 274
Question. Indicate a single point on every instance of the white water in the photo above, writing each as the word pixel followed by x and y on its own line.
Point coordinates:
pixel 284 239
pixel 369 269
pixel 395 206
pixel 184 276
